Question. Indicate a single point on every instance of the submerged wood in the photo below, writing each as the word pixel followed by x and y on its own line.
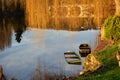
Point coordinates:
pixel 2 77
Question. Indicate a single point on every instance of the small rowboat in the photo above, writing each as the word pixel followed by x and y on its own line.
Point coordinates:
pixel 84 50
pixel 72 58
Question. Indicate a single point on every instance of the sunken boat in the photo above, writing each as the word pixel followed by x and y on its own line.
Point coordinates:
pixel 72 58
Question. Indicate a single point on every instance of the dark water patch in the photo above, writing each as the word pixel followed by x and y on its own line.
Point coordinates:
pixel 7 26
pixel 11 9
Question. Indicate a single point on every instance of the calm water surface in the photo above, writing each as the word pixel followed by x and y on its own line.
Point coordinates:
pixel 46 48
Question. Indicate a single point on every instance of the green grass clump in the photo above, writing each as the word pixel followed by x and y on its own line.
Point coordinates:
pixel 110 69
pixel 112 27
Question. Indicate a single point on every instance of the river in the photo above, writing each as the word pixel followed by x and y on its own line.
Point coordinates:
pixel 44 48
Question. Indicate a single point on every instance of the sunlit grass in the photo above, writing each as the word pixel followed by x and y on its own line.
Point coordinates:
pixel 110 69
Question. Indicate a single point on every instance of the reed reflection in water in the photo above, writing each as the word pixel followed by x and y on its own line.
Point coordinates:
pixel 22 59
pixel 57 14
pixel 7 26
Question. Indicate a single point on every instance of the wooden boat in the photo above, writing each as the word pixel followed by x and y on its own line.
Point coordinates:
pixel 72 58
pixel 84 50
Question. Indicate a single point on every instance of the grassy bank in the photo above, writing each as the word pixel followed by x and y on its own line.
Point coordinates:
pixel 110 69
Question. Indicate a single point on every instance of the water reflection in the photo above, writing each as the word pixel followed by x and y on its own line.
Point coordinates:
pixel 20 60
pixel 5 35
pixel 19 27
pixel 12 17
pixel 47 47
pixel 6 28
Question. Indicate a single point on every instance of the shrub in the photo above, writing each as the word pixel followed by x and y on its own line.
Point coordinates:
pixel 112 27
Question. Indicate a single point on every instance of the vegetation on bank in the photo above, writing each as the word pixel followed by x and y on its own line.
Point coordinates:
pixel 112 28
pixel 110 69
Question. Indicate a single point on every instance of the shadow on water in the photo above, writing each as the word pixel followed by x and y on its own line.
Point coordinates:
pixel 10 23
pixel 6 28
pixel 11 9
pixel 12 17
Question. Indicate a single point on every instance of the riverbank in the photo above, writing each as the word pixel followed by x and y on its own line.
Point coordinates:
pixel 104 65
